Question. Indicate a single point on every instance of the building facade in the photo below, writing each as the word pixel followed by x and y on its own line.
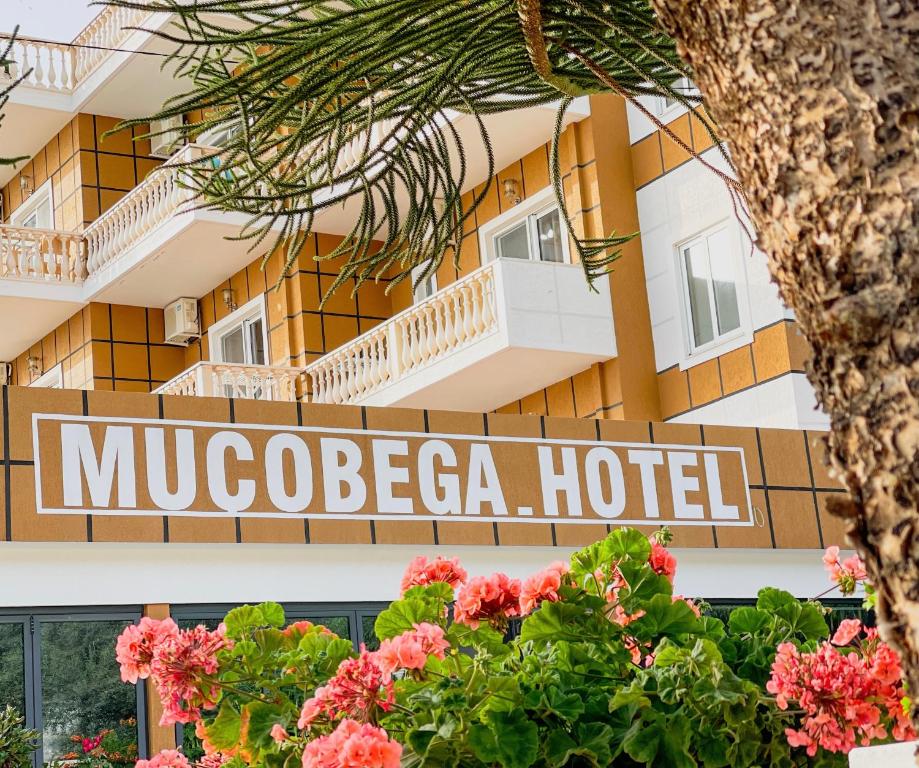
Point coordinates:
pixel 187 427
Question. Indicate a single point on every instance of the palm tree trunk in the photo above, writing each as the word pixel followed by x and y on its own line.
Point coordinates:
pixel 819 100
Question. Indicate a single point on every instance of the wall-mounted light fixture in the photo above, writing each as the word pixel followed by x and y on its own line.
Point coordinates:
pixel 228 299
pixel 26 185
pixel 512 190
pixel 34 364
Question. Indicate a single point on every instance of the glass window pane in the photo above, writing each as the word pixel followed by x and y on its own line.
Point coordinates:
pixel 370 639
pixel 697 278
pixel 549 231
pixel 12 667
pixel 81 688
pixel 340 625
pixel 232 349
pixel 256 342
pixel 514 244
pixel 721 259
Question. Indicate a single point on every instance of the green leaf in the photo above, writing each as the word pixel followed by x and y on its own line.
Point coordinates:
pixel 436 591
pixel 553 621
pixel 558 747
pixel 262 717
pixel 484 639
pixel 242 620
pixel 516 738
pixel 628 544
pixel 748 621
pixel 642 742
pixel 403 614
pixel 663 617
pixel 483 743
pixel 770 599
pixel 224 731
pixel 806 619
pixel 272 614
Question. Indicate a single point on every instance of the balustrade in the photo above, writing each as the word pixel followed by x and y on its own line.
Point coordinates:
pixel 448 321
pixel 250 382
pixel 42 254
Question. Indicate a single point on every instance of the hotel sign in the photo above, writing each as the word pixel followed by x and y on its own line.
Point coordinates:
pixel 115 466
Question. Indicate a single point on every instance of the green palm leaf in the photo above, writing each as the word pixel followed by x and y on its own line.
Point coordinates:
pixel 350 103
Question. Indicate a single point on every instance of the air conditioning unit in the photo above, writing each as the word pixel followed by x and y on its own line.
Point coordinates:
pixel 181 321
pixel 165 137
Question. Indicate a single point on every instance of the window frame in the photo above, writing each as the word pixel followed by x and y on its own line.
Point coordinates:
pixel 662 109
pixel 431 278
pixel 31 618
pixel 44 195
pixel 721 343
pixel 239 317
pixel 529 211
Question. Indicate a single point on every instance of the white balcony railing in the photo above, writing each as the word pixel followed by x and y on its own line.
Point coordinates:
pixel 453 318
pixel 42 254
pixel 49 66
pixel 151 203
pixel 250 382
pixel 106 32
pixel 59 67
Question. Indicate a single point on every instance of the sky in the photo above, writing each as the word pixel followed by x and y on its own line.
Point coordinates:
pixel 57 20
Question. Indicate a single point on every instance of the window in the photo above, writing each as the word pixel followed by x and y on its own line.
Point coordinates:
pixel 241 337
pixel 710 288
pixel 58 668
pixel 531 230
pixel 37 211
pixel 51 379
pixel 426 288
pixel 349 620
pixel 681 85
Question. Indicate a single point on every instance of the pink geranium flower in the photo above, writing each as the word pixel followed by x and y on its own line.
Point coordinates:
pixel 661 561
pixel 278 733
pixel 492 599
pixel 168 758
pixel 847 631
pixel 847 573
pixel 542 586
pixel 135 646
pixel 421 572
pixel 359 687
pixel 411 649
pixel 352 745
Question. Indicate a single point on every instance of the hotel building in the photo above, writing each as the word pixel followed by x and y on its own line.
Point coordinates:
pixel 186 428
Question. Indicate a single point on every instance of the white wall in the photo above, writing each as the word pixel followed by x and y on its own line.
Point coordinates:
pixel 111 574
pixel 787 402
pixel 677 206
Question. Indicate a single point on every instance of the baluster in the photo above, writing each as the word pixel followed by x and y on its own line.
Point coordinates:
pixel 416 332
pixel 405 340
pixel 477 295
pixel 431 336
pixel 468 325
pixel 352 372
pixel 458 328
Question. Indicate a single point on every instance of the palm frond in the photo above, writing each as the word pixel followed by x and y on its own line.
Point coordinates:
pixel 350 103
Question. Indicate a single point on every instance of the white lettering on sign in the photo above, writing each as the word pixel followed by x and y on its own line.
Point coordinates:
pixel 115 466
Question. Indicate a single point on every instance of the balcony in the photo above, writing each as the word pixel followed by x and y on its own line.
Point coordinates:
pixel 156 243
pixel 41 284
pixel 98 73
pixel 505 330
pixel 250 382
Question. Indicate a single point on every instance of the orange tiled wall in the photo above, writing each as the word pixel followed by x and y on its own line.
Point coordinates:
pixel 595 391
pixel 107 347
pixel 658 154
pixel 777 350
pixel 299 332
pixel 88 173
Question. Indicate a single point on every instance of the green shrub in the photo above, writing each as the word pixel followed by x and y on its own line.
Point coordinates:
pixel 16 742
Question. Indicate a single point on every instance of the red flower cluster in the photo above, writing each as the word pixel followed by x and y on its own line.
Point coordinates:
pixel 542 586
pixel 661 561
pixel 492 599
pixel 360 686
pixel 849 698
pixel 420 572
pixel 411 649
pixel 352 745
pixel 178 661
pixel 847 573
